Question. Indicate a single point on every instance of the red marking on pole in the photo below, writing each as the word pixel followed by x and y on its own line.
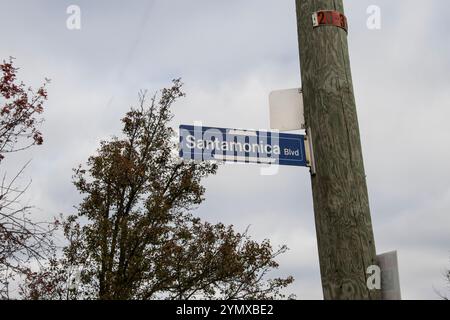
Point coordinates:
pixel 330 18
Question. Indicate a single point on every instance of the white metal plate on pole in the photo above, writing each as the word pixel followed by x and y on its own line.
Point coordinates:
pixel 286 110
pixel 390 279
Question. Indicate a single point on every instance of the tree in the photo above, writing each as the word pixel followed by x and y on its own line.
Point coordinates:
pixel 19 111
pixel 447 280
pixel 447 277
pixel 21 239
pixel 134 236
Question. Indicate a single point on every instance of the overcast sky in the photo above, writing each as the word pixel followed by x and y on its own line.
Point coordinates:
pixel 230 55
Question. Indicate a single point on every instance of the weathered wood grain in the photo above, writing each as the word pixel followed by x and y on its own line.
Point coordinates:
pixel 341 205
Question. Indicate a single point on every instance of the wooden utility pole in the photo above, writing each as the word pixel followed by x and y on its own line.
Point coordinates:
pixel 341 206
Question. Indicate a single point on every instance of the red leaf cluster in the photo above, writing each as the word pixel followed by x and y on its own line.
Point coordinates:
pixel 20 108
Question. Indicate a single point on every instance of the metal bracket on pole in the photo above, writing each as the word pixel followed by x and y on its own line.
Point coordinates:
pixel 302 121
pixel 310 152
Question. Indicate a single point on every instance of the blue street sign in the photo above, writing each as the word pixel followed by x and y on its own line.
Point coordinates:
pixel 237 145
